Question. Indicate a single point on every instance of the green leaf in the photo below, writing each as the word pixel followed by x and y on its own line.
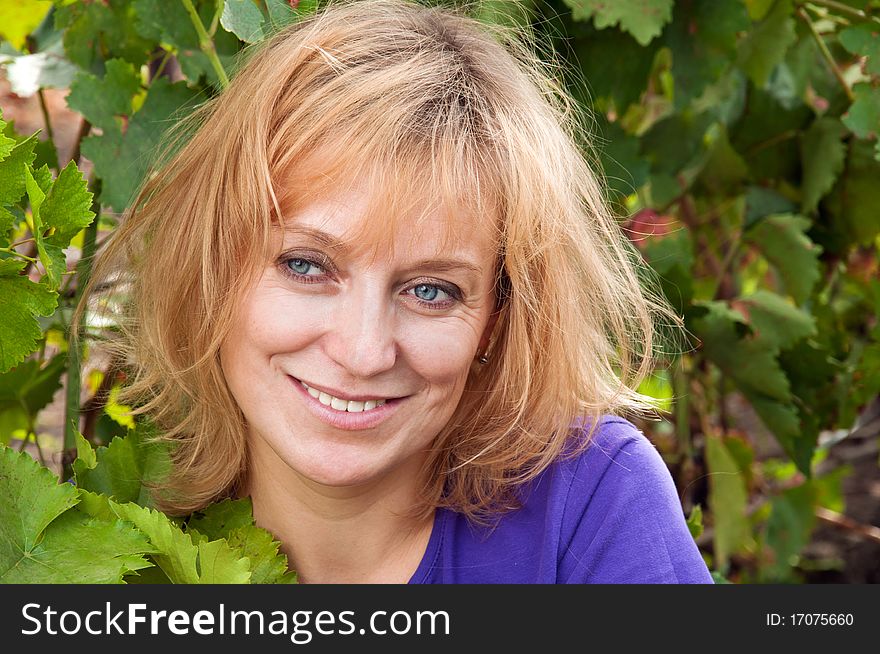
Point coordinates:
pixel 85 456
pixel 67 208
pixel 219 519
pixel 234 521
pixel 95 32
pixel 853 202
pixel 672 258
pixel 863 117
pixel 245 19
pixel 644 19
pixel 625 169
pixel 12 171
pixel 614 66
pixel 126 469
pixel 762 202
pixel 766 44
pixel 782 241
pixel 791 522
pixel 82 550
pixel 170 23
pixel 51 254
pixel 180 559
pixel 20 18
pixel 23 301
pixel 775 321
pixel 864 41
pixel 695 521
pixel 105 102
pixel 728 500
pixel 750 362
pixel 822 155
pixel 122 160
pixel 25 391
pixel 786 423
pixel 702 38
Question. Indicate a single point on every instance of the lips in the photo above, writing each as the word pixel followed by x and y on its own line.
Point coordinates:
pixel 344 417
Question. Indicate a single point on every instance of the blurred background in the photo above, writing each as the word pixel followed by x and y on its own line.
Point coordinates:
pixel 739 141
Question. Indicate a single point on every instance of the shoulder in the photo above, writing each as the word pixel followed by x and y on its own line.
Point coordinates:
pixel 617 453
pixel 623 521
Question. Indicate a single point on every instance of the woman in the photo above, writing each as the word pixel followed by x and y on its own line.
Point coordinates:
pixel 379 293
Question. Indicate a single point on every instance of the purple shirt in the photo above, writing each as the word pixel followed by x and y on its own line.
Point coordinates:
pixel 608 516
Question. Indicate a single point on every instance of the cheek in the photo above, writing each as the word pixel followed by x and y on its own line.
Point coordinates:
pixel 273 321
pixel 439 352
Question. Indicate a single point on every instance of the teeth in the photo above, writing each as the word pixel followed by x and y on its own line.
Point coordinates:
pixel 342 405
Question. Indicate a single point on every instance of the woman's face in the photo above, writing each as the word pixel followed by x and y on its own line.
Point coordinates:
pixel 345 364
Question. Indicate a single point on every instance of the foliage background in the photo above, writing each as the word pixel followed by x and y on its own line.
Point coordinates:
pixel 740 143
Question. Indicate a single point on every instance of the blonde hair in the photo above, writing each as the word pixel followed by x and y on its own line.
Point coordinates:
pixel 425 103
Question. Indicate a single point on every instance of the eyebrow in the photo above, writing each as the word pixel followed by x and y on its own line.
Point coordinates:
pixel 332 243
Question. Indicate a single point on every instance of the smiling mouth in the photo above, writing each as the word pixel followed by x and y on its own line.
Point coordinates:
pixel 349 406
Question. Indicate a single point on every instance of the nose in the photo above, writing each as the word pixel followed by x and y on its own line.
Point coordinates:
pixel 361 339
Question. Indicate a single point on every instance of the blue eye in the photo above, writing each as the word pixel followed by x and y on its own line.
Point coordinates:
pixel 302 266
pixel 426 292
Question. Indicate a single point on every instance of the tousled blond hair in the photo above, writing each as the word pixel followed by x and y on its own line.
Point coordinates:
pixel 432 107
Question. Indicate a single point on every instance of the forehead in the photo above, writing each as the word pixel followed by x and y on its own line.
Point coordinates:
pixel 386 214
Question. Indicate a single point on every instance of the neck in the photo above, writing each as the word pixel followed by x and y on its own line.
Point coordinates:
pixel 352 534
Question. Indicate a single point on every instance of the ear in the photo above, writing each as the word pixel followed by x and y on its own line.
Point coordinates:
pixel 487 333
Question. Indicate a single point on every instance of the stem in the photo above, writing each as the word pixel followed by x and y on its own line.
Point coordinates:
pixel 206 44
pixel 826 54
pixel 216 20
pixel 9 250
pixel 680 385
pixel 845 9
pixel 45 111
pixel 74 349
pixel 27 240
pixel 162 65
pixel 839 520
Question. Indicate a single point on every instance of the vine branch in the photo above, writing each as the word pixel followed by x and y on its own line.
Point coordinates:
pixel 206 43
pixel 826 53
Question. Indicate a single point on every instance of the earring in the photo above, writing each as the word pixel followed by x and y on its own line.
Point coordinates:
pixel 483 359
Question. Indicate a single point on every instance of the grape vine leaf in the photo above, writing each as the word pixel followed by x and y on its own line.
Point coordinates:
pixel 105 102
pixel 863 40
pixel 775 321
pixel 853 202
pixel 126 469
pixel 702 38
pixel 728 500
pixel 26 390
pixel 644 19
pixel 122 159
pixel 57 215
pixel 23 301
pixel 208 562
pixel 766 44
pixel 863 117
pixel 822 154
pixel 97 31
pixel 791 522
pixel 781 239
pixel 749 361
pixel 12 175
pixel 170 23
pixel 43 539
pixel 234 521
pixel 30 499
pixel 245 19
pixel 614 66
